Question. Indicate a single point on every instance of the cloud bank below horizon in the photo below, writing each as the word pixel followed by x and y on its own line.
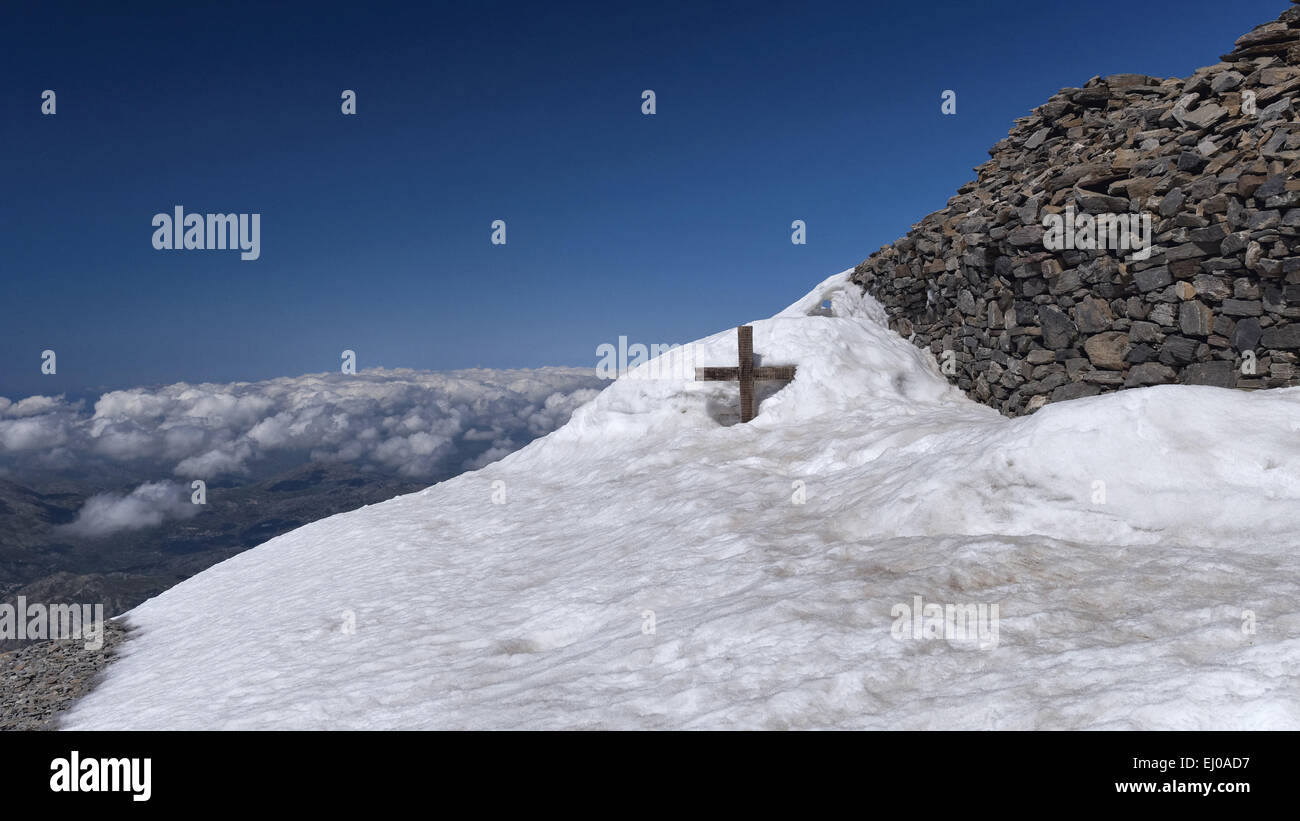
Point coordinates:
pixel 418 424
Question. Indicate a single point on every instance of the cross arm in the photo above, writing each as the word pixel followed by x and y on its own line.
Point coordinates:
pixel 775 372
pixel 717 374
pixel 785 372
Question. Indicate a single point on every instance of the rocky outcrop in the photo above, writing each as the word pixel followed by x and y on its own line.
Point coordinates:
pixel 1028 287
pixel 44 678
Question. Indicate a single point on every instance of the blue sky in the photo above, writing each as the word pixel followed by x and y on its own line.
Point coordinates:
pixel 376 228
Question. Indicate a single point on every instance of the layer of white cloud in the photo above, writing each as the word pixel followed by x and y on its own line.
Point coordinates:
pixel 415 423
pixel 148 505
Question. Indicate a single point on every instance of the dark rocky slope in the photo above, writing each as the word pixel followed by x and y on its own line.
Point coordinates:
pixel 1212 159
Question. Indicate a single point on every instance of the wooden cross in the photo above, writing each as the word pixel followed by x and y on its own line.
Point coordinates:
pixel 746 373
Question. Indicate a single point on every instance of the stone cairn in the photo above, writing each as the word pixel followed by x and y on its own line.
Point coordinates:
pixel 1212 159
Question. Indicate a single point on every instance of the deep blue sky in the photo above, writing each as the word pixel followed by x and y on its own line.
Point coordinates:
pixel 375 228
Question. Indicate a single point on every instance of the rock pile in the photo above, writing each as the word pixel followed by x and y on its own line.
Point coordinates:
pixel 44 678
pixel 1212 159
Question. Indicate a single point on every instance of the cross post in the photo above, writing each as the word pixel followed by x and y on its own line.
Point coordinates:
pixel 745 373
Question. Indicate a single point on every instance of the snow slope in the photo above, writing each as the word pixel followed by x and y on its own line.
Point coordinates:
pixel 1141 548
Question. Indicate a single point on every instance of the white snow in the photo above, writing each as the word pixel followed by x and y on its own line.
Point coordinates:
pixel 1141 548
